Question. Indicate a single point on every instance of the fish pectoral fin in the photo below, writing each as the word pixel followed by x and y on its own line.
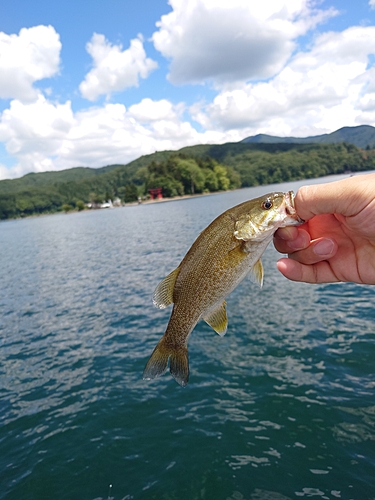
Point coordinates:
pixel 257 273
pixel 217 319
pixel 163 295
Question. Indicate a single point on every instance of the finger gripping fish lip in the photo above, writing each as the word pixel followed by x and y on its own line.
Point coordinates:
pixel 290 207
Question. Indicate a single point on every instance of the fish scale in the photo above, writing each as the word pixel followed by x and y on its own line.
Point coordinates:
pixel 219 259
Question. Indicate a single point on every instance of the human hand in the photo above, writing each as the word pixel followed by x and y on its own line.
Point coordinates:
pixel 337 241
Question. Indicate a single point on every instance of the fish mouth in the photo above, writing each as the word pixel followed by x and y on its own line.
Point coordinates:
pixel 290 207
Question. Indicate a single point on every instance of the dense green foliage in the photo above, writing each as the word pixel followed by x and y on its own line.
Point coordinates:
pixel 181 174
pixel 260 164
pixel 196 169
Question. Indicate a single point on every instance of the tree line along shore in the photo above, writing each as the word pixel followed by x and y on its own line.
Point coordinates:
pixel 189 171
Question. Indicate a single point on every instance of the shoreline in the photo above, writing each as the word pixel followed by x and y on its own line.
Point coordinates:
pixel 175 198
pixel 184 197
pixel 130 204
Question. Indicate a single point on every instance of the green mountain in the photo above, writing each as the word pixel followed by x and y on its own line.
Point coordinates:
pixel 362 136
pixel 35 180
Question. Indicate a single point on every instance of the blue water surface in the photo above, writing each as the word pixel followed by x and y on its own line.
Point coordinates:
pixel 282 407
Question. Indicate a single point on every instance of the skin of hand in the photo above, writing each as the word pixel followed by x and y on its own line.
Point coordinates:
pixel 337 241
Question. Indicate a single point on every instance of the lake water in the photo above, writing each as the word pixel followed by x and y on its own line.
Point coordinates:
pixel 282 407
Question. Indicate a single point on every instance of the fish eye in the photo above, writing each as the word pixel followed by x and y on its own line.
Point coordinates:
pixel 267 204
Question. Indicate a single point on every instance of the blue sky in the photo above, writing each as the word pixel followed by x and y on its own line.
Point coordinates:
pixel 101 82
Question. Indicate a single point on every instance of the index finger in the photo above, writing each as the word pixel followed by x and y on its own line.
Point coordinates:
pixel 346 197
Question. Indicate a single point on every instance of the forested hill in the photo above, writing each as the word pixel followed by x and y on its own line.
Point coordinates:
pixel 191 170
pixel 41 179
pixel 362 136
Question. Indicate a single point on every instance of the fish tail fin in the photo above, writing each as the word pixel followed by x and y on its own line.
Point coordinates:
pixel 157 365
pixel 179 365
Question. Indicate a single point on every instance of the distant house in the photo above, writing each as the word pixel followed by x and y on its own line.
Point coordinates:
pixel 107 204
pixel 117 202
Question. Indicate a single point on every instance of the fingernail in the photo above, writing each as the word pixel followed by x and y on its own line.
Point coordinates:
pixel 323 247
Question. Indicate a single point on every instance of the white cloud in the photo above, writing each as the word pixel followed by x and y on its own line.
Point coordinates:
pixel 148 111
pixel 114 69
pixel 32 55
pixel 33 133
pixel 372 4
pixel 46 136
pixel 223 41
pixel 320 90
pixel 4 172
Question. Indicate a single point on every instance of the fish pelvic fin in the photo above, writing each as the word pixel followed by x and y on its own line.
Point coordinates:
pixel 157 365
pixel 217 319
pixel 257 273
pixel 163 295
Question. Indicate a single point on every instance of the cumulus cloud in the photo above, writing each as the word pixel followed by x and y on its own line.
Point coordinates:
pixel 114 69
pixel 47 136
pixel 148 111
pixel 223 41
pixel 33 133
pixel 372 4
pixel 4 172
pixel 319 90
pixel 25 58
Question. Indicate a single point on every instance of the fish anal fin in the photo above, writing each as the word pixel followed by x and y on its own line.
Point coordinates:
pixel 217 319
pixel 157 365
pixel 257 273
pixel 163 295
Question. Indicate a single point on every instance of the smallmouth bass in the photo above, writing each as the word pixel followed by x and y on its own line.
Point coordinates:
pixel 219 259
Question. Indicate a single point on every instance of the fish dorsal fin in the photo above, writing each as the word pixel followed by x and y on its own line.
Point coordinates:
pixel 163 295
pixel 257 273
pixel 217 319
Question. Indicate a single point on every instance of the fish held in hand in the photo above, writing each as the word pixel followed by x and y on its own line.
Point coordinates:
pixel 219 259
